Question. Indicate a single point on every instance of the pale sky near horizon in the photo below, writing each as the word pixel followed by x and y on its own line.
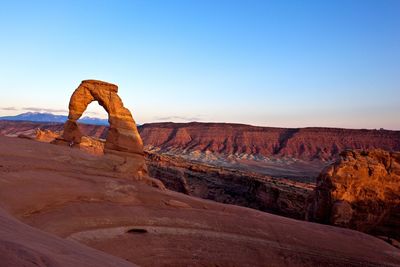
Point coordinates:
pixel 271 63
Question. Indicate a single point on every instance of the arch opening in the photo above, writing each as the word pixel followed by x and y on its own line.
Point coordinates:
pixel 95 114
pixel 122 135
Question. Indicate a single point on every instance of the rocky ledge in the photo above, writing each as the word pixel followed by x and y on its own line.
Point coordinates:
pixel 360 191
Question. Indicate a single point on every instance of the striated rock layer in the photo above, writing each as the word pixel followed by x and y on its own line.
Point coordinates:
pixel 238 140
pixel 275 195
pixel 360 191
pixel 253 142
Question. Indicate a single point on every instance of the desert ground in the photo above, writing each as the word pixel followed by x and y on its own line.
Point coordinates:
pixel 60 207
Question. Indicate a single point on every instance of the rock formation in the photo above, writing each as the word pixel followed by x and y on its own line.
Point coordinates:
pixel 123 148
pixel 360 191
pixel 53 205
pixel 122 135
pixel 46 135
pixel 238 140
pixel 254 142
pixel 231 186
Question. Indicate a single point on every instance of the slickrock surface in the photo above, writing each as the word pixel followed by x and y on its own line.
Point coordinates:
pixel 276 195
pixel 361 191
pixel 56 190
pixel 25 246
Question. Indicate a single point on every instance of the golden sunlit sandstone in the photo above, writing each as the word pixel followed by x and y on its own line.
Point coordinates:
pixel 360 191
pixel 123 149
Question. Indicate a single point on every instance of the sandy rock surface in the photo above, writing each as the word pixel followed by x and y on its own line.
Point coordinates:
pixel 57 190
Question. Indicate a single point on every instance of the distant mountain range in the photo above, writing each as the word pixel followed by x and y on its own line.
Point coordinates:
pixel 48 117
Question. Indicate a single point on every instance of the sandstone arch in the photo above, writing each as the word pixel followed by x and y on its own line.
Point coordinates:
pixel 123 134
pixel 123 149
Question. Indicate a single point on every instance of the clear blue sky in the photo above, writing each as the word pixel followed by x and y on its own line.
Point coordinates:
pixel 274 63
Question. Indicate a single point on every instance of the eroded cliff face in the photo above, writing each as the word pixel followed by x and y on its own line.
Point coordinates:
pixel 360 191
pixel 252 142
pixel 218 183
pixel 279 196
pixel 232 141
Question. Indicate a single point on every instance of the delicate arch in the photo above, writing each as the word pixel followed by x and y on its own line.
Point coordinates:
pixel 122 135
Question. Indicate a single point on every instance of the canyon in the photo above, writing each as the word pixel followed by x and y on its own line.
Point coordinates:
pixel 58 209
pixel 215 161
pixel 272 170
pixel 261 179
pixel 253 142
pixel 298 153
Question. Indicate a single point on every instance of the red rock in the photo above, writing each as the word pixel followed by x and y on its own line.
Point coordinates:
pixel 123 149
pixel 238 139
pixel 122 135
pixel 92 145
pixel 46 135
pixel 360 191
pixel 22 245
pixel 243 188
pixel 246 141
pixel 63 199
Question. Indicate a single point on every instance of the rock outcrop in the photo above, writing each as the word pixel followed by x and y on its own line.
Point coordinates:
pixel 360 191
pixel 123 148
pixel 275 195
pixel 122 135
pixel 46 136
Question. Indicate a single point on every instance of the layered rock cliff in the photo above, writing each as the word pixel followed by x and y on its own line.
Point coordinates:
pixel 359 191
pixel 238 140
pixel 253 142
pixel 279 196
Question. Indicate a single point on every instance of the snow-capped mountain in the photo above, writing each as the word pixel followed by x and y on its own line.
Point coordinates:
pixel 49 117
